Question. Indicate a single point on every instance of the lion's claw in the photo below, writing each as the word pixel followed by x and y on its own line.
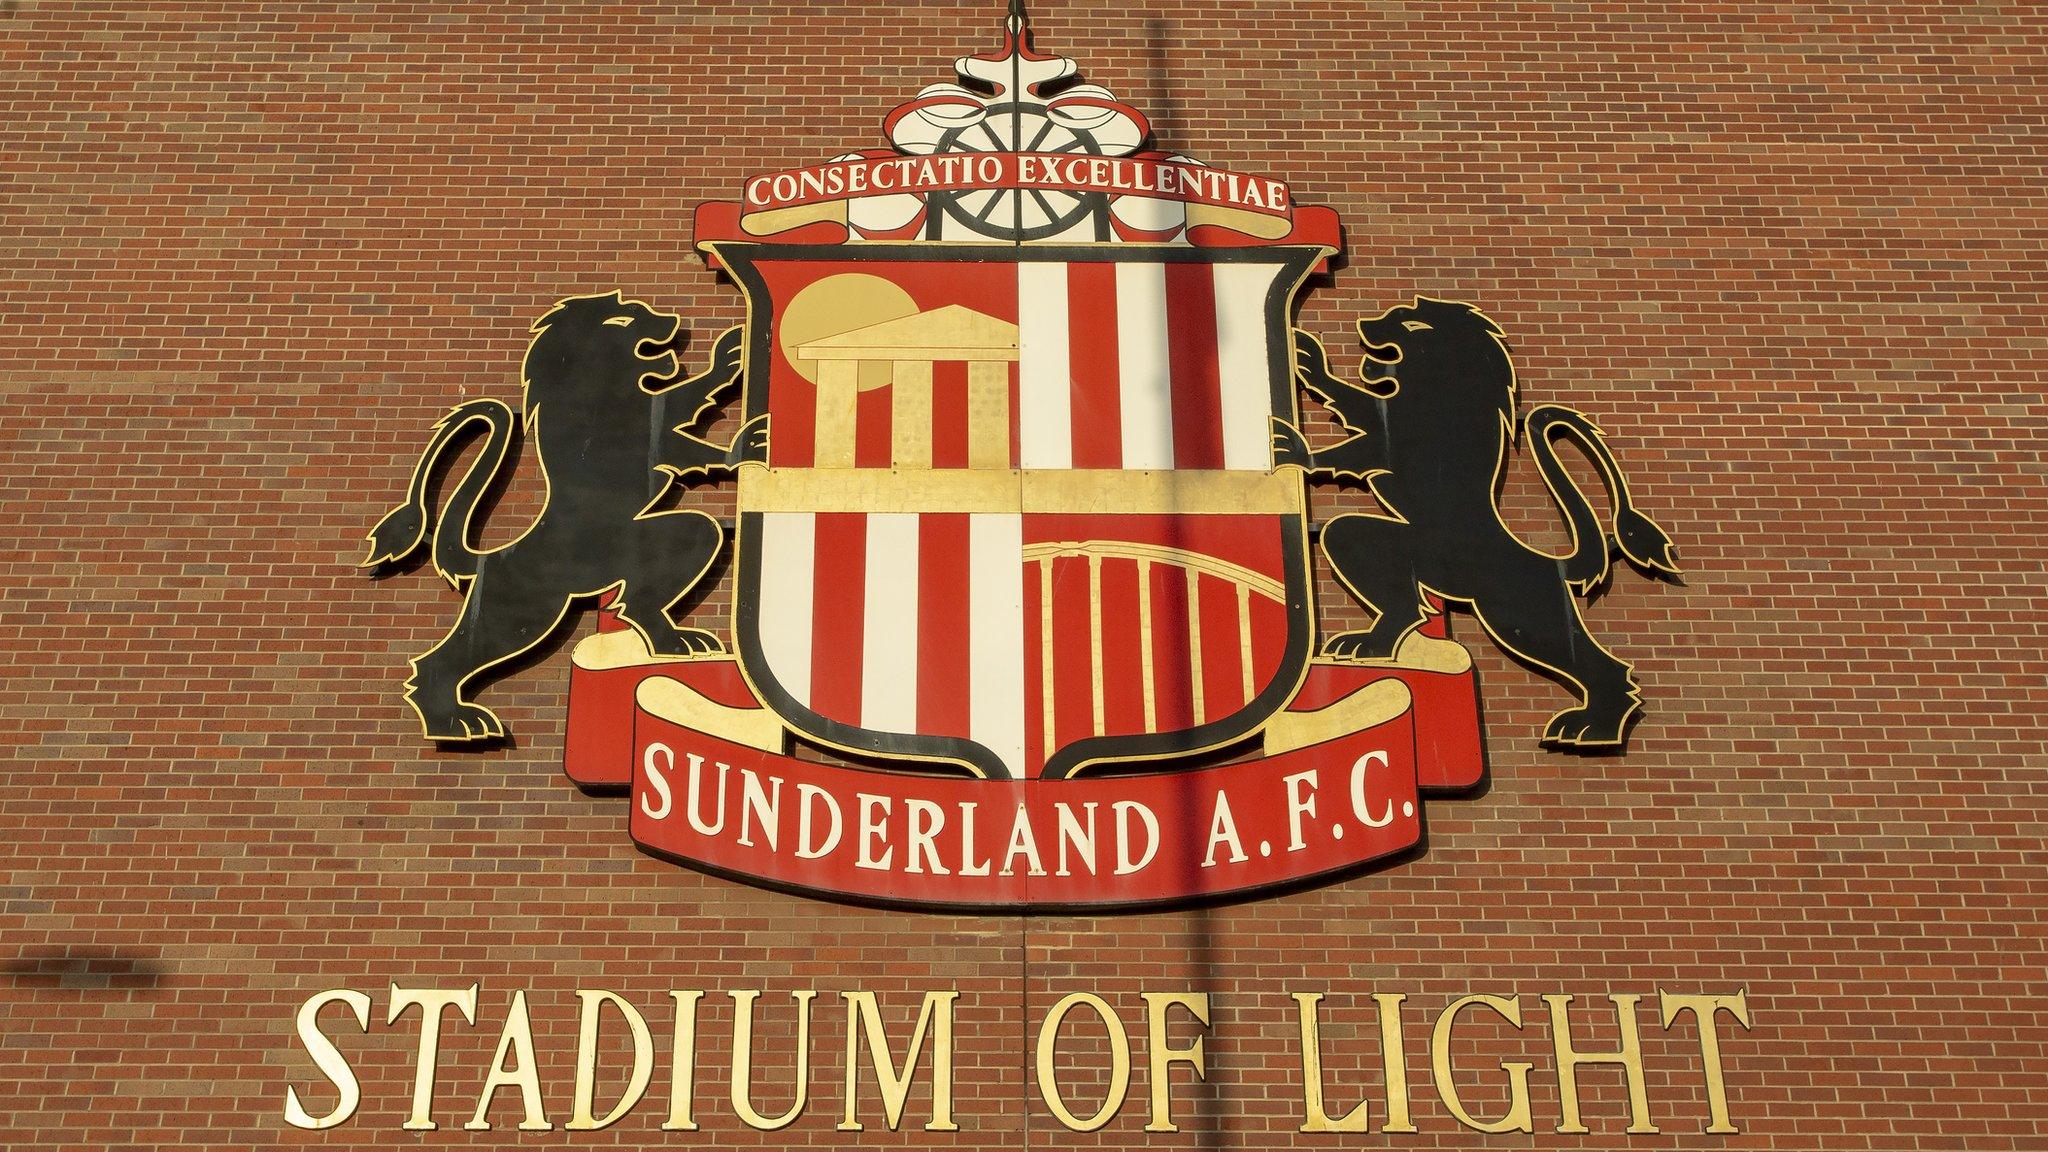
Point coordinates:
pixel 750 446
pixel 1309 359
pixel 1357 646
pixel 698 642
pixel 664 639
pixel 1589 726
pixel 1289 448
pixel 460 722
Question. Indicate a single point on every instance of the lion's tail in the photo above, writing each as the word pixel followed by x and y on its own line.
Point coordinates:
pixel 405 527
pixel 1637 536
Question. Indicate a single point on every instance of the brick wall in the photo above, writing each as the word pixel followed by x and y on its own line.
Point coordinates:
pixel 1790 256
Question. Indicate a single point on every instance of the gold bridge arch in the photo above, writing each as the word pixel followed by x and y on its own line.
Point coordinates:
pixel 1245 582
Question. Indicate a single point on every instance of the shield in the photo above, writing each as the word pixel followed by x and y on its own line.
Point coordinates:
pixel 1019 514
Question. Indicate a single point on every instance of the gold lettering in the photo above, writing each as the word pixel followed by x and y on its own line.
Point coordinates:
pixel 926 820
pixel 1301 801
pixel 657 778
pixel 695 807
pixel 1518 1118
pixel 969 866
pixel 1161 1055
pixel 1394 1057
pixel 433 1002
pixel 594 1001
pixel 1125 865
pixel 1024 843
pixel 683 1082
pixel 1704 1009
pixel 808 848
pixel 1630 1057
pixel 743 1059
pixel 762 805
pixel 1315 1113
pixel 328 1059
pixel 1072 833
pixel 864 1018
pixel 517 1040
pixel 1223 833
pixel 1119 1062
pixel 874 828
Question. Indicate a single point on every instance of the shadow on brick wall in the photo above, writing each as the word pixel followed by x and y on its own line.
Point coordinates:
pixel 84 966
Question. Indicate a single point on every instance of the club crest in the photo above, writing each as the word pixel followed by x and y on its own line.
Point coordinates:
pixel 1023 568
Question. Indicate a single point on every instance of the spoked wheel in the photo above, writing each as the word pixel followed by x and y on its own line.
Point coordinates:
pixel 1027 213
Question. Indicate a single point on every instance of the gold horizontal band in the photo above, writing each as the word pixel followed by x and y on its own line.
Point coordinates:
pixel 1078 491
pixel 915 353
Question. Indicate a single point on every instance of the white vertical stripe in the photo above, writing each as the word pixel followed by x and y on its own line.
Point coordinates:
pixel 1241 349
pixel 788 568
pixel 1144 379
pixel 995 565
pixel 1045 383
pixel 888 658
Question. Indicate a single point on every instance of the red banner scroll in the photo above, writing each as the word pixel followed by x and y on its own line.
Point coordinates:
pixel 710 786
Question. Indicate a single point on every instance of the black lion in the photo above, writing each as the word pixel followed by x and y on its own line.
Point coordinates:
pixel 607 414
pixel 1432 437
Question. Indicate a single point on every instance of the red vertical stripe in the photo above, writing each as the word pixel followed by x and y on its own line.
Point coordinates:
pixel 1173 693
pixel 871 445
pixel 943 666
pixel 1123 677
pixel 1222 651
pixel 1269 640
pixel 1034 664
pixel 1092 364
pixel 949 414
pixel 837 607
pixel 1265 552
pixel 1194 359
pixel 793 413
pixel 1073 686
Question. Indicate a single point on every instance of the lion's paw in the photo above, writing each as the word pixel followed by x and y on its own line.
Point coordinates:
pixel 1310 361
pixel 458 722
pixel 750 446
pixel 1357 646
pixel 1588 727
pixel 1289 448
pixel 697 642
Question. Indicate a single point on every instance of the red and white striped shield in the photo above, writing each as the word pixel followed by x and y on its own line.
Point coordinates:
pixel 1019 513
